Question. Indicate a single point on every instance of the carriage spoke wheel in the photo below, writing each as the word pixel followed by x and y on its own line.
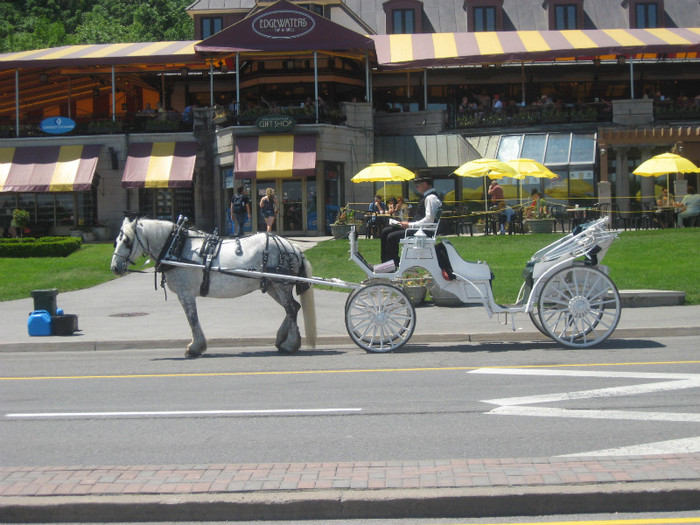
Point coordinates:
pixel 379 317
pixel 579 307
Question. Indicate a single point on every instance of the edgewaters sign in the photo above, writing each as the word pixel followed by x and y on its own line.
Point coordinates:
pixel 283 24
pixel 57 125
pixel 275 123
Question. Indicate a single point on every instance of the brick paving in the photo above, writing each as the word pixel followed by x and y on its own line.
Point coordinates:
pixel 371 475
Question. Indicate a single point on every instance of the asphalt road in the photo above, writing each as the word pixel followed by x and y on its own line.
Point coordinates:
pixel 341 404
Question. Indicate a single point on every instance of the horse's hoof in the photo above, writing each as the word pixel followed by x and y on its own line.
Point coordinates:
pixel 189 354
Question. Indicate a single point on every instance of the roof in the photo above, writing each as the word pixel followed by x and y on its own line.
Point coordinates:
pixel 104 54
pixel 446 49
pixel 283 26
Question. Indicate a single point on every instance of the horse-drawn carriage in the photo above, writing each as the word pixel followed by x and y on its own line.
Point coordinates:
pixel 566 291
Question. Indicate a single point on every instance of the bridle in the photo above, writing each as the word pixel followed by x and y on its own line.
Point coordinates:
pixel 123 237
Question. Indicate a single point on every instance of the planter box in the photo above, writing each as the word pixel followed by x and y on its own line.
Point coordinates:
pixel 416 294
pixel 540 225
pixel 340 231
pixel 442 298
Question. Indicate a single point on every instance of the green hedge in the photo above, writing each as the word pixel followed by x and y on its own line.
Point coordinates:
pixel 41 247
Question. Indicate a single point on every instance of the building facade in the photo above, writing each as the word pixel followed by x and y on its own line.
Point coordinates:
pixel 300 96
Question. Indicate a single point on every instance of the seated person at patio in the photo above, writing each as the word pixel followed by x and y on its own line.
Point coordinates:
pixel 664 199
pixel 373 223
pixel 401 209
pixel 425 213
pixel 505 215
pixel 391 207
pixel 690 206
pixel 533 205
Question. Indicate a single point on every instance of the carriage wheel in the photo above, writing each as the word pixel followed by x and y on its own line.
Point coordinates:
pixel 535 318
pixel 579 307
pixel 379 317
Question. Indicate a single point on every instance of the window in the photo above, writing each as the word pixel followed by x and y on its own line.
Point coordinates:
pixel 403 16
pixel 565 15
pixel 645 15
pixel 211 26
pixel 484 15
pixel 484 19
pixel 314 8
pixel 403 21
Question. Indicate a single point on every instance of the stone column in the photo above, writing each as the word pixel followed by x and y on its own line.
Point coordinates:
pixel 622 179
pixel 647 183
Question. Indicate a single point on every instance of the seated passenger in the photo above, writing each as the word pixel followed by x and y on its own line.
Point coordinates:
pixel 425 213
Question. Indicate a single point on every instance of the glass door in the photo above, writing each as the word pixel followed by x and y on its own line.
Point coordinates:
pixel 292 206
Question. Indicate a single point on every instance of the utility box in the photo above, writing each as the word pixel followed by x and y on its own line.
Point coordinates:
pixel 45 300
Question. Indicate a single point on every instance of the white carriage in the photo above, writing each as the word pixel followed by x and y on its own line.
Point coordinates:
pixel 566 292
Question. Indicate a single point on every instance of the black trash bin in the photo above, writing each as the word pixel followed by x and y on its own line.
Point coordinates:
pixel 45 300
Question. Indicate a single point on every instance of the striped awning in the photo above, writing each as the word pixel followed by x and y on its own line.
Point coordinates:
pixel 445 49
pixel 275 156
pixel 104 54
pixel 48 168
pixel 160 165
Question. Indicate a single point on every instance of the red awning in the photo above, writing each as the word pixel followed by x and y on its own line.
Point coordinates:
pixel 449 49
pixel 282 27
pixel 275 156
pixel 160 165
pixel 48 168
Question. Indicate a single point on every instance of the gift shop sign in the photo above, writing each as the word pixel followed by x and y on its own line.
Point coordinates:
pixel 284 24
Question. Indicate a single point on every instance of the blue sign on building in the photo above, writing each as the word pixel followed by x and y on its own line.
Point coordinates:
pixel 57 125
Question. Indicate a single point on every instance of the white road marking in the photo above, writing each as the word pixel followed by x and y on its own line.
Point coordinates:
pixel 166 413
pixel 513 406
pixel 674 446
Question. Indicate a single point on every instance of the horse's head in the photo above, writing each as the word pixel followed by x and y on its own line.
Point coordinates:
pixel 127 247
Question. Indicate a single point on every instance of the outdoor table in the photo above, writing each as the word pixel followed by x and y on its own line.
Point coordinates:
pixel 666 215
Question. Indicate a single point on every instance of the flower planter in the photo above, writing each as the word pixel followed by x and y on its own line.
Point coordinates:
pixel 340 231
pixel 101 233
pixel 416 294
pixel 540 225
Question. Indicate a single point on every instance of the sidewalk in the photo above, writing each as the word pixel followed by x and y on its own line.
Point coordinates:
pixel 129 313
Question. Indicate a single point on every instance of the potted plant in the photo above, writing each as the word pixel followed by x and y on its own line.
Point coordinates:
pixel 340 229
pixel 414 283
pixel 20 219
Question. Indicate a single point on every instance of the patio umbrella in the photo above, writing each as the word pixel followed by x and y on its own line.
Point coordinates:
pixel 383 172
pixel 485 167
pixel 665 164
pixel 531 168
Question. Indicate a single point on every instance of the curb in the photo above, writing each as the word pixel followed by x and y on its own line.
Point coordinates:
pixel 73 345
pixel 358 504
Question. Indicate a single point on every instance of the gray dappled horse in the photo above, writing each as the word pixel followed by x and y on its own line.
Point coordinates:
pixel 258 252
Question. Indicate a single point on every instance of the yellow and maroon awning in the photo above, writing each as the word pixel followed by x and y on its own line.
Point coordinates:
pixel 160 165
pixel 445 49
pixel 48 168
pixel 104 54
pixel 275 156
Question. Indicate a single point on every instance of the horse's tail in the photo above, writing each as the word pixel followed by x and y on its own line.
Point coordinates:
pixel 308 308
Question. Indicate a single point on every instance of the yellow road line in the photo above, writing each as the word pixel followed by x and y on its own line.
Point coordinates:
pixel 349 371
pixel 642 521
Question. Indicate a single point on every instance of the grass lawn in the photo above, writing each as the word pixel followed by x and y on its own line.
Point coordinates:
pixel 652 259
pixel 84 268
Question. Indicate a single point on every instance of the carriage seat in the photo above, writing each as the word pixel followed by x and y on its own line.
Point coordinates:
pixel 430 228
pixel 457 265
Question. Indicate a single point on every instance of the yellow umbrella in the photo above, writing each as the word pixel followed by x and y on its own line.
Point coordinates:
pixel 485 167
pixel 531 168
pixel 384 172
pixel 665 164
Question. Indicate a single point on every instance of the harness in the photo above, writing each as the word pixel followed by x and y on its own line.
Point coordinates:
pixel 210 249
